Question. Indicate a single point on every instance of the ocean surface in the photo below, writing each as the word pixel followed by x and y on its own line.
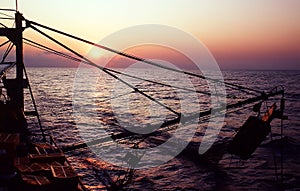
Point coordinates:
pixel 111 106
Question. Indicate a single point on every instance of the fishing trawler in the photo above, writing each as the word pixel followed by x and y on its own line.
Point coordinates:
pixel 28 161
pixel 35 162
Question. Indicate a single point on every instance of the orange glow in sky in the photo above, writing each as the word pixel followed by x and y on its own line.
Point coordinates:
pixel 240 34
pixel 151 52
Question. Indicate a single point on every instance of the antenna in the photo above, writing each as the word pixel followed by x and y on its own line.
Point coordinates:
pixel 16 5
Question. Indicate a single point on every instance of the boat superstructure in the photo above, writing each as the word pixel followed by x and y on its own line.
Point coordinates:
pixel 28 161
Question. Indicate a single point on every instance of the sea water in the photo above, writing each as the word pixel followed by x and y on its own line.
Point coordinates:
pixel 53 89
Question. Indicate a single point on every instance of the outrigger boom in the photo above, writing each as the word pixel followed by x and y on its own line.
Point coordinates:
pixel 203 114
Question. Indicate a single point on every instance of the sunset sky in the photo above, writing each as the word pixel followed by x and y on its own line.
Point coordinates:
pixel 240 34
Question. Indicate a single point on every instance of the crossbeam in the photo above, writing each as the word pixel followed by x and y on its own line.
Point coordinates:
pixel 177 120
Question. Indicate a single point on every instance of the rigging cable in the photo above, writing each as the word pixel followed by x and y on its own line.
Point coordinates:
pixel 195 115
pixel 50 50
pixel 176 120
pixel 30 23
pixel 7 10
pixel 4 43
pixel 34 104
pixel 107 72
pixel 3 25
pixel 6 15
pixel 9 48
pixel 115 97
pixel 6 18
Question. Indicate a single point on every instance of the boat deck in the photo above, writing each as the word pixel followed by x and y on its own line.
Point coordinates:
pixel 31 162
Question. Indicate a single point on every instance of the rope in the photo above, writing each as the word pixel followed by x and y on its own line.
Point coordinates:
pixel 204 113
pixel 52 51
pixel 115 97
pixel 4 43
pixel 162 84
pixel 7 18
pixel 106 71
pixel 6 15
pixel 4 71
pixel 34 105
pixel 281 136
pixel 30 23
pixel 9 48
pixel 3 25
pixel 176 120
pixel 8 10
